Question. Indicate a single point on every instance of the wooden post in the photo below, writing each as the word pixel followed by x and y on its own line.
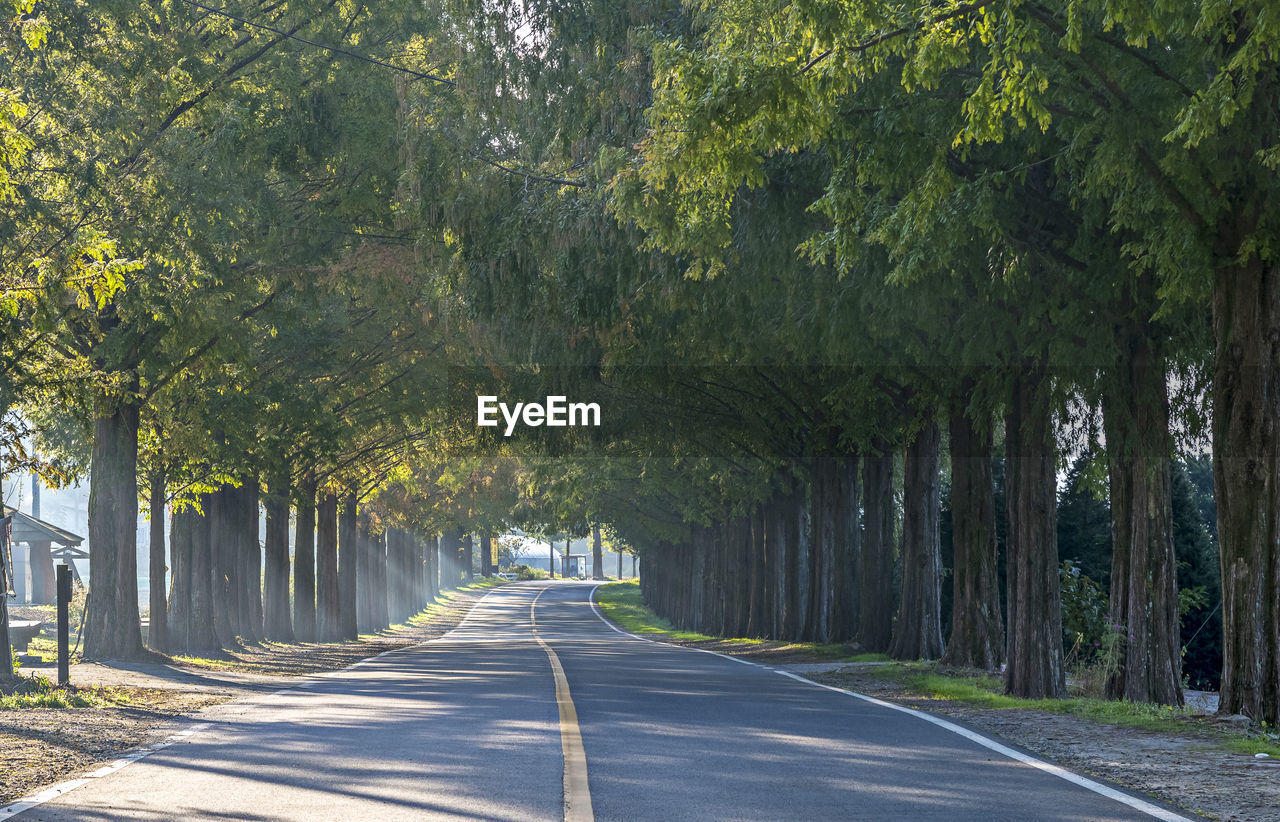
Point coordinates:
pixel 6 570
pixel 64 624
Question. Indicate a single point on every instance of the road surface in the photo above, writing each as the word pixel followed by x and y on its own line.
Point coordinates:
pixel 534 708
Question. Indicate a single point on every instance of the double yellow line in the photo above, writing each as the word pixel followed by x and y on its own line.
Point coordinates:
pixel 577 793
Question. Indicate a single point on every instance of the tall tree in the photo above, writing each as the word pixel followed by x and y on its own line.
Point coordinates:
pixel 977 621
pixel 917 633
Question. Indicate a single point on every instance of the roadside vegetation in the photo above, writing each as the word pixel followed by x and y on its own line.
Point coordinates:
pixel 37 691
pixel 621 602
pixel 934 681
pixel 300 658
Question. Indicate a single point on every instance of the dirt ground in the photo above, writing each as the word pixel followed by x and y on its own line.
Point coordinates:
pixel 1183 770
pixel 43 746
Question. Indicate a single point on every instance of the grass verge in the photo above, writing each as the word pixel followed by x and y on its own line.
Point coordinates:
pixel 40 692
pixel 621 603
pixel 927 680
pixel 444 601
pixel 290 659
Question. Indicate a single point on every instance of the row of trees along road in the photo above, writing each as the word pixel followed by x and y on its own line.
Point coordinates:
pixel 845 237
pixel 810 260
pixel 212 303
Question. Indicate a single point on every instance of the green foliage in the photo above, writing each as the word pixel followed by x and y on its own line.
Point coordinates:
pixel 524 572
pixel 1085 611
pixel 1084 519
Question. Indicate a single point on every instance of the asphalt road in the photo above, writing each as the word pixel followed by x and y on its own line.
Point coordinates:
pixel 468 727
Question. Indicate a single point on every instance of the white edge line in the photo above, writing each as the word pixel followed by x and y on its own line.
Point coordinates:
pixel 53 792
pixel 26 803
pixel 1048 767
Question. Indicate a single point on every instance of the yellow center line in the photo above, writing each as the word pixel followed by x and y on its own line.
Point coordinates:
pixel 577 793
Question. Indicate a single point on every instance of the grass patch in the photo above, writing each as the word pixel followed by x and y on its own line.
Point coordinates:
pixel 923 679
pixel 1250 745
pixel 206 662
pixel 621 603
pixel 444 600
pixel 293 658
pixel 40 692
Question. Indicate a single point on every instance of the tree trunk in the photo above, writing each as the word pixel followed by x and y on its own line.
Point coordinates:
pixel 875 607
pixel 328 602
pixel 277 620
pixel 418 567
pixel 1144 596
pixel 158 618
pixel 397 575
pixel 6 665
pixel 486 555
pixel 757 549
pixel 180 592
pixel 225 563
pixel 977 627
pixel 433 568
pixel 468 558
pixel 378 588
pixel 918 632
pixel 304 564
pixel 822 498
pixel 112 630
pixel 1034 669
pixel 1246 479
pixel 348 554
pixel 450 546
pixel 200 632
pixel 246 523
pixel 597 554
pixel 413 572
pixel 788 529
pixel 364 574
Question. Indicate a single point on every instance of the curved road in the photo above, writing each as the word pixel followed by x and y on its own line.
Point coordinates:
pixel 468 727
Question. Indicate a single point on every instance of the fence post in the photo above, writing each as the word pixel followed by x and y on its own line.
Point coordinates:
pixel 64 624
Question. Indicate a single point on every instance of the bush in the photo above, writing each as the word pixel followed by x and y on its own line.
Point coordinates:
pixel 1086 612
pixel 525 572
pixel 1095 647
